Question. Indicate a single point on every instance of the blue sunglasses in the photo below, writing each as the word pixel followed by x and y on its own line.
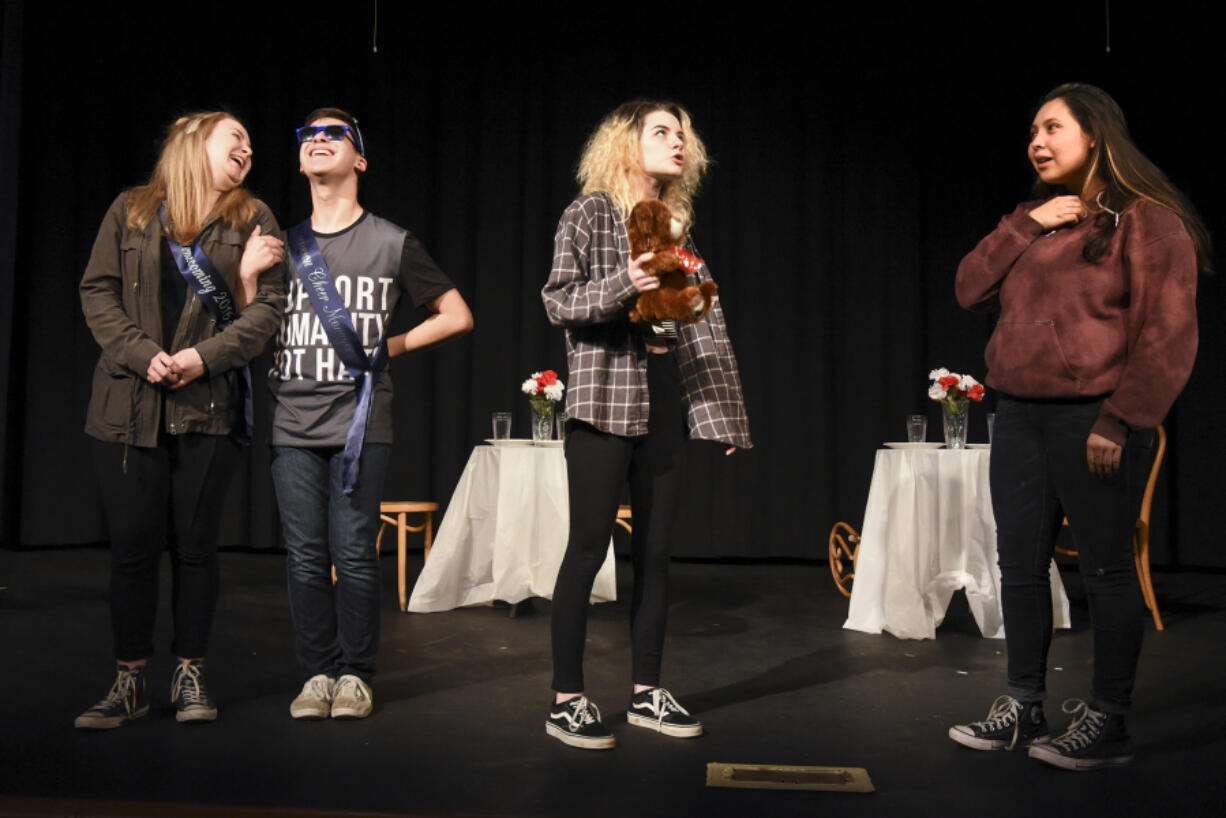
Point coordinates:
pixel 334 133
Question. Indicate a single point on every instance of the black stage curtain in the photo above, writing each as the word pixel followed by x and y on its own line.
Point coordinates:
pixel 858 156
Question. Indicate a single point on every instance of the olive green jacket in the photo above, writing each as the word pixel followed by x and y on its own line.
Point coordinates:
pixel 121 297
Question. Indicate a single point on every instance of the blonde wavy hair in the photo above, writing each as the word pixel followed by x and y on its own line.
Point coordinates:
pixel 611 158
pixel 183 180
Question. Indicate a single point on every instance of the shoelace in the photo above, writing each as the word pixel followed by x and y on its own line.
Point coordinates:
pixel 663 703
pixel 189 685
pixel 1087 725
pixel 343 689
pixel 123 691
pixel 580 713
pixel 318 689
pixel 1004 709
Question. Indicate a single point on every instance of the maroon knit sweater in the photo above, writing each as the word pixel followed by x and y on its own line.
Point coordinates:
pixel 1123 327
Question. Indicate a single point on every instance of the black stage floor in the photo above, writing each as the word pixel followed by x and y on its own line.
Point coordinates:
pixel 756 650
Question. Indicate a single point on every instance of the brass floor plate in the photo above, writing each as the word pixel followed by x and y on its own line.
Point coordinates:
pixel 781 777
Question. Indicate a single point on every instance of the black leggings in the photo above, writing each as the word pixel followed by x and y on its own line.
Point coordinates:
pixel 598 464
pixel 169 493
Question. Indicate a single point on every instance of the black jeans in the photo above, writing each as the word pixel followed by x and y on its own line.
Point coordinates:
pixel 169 493
pixel 1039 475
pixel 597 466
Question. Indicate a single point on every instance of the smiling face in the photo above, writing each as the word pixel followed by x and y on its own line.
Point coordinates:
pixel 1059 148
pixel 661 148
pixel 323 157
pixel 228 149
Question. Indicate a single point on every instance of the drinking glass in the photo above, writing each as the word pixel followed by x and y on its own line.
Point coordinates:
pixel 502 425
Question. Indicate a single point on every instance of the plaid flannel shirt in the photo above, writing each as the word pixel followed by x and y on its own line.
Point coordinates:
pixel 589 292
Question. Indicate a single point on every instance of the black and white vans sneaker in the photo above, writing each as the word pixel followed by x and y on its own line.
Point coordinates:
pixel 577 722
pixel 1010 723
pixel 656 709
pixel 1092 741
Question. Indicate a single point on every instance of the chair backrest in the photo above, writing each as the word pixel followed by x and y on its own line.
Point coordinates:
pixel 1148 501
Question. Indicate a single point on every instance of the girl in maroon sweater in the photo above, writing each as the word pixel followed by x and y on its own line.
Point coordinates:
pixel 1095 282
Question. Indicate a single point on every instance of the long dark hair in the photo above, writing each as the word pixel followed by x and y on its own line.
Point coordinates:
pixel 1126 174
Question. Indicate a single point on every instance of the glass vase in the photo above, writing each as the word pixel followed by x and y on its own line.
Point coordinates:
pixel 542 420
pixel 954 414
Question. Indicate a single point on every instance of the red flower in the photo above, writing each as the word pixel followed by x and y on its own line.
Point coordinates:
pixel 547 378
pixel 976 392
pixel 948 381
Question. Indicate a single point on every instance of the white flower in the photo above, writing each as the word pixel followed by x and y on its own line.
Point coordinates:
pixel 529 386
pixel 965 383
pixel 554 391
pixel 936 391
pixel 938 373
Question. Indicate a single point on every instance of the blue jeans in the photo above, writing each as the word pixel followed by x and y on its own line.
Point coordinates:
pixel 1039 475
pixel 336 628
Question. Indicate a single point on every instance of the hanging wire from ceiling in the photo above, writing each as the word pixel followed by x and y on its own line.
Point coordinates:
pixel 1107 14
pixel 374 31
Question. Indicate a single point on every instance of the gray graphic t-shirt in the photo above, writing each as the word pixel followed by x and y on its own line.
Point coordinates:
pixel 373 263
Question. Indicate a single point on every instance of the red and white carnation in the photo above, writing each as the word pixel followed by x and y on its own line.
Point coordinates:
pixel 951 386
pixel 544 385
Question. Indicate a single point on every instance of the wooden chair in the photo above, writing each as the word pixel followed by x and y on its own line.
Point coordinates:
pixel 844 548
pixel 623 518
pixel 396 512
pixel 1140 537
pixel 402 508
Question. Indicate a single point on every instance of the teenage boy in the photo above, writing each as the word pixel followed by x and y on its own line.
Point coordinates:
pixel 332 409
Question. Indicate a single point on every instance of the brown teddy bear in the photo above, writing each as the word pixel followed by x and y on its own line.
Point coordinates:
pixel 651 228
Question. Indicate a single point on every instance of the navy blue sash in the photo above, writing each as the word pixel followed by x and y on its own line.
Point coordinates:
pixel 215 294
pixel 316 279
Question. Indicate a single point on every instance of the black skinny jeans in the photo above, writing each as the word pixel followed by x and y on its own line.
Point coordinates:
pixel 1039 475
pixel 169 493
pixel 597 466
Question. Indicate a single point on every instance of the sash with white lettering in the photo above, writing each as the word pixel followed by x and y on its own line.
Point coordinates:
pixel 338 326
pixel 217 298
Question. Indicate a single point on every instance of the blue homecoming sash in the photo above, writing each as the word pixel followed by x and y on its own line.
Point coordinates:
pixel 338 326
pixel 217 298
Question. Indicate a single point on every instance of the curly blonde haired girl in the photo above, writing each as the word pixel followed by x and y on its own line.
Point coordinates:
pixel 636 392
pixel 611 160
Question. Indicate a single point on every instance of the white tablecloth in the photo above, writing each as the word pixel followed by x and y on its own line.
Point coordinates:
pixel 928 531
pixel 504 533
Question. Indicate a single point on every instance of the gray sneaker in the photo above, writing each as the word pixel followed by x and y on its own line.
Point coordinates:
pixel 190 695
pixel 315 700
pixel 128 699
pixel 351 699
